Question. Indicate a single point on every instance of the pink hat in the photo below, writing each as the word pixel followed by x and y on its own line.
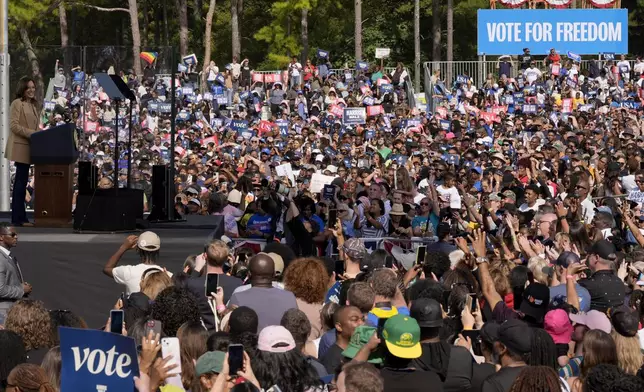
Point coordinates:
pixel 557 324
pixel 593 319
pixel 275 339
pixel 450 135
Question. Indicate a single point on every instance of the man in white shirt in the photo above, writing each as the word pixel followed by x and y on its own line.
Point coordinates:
pixel 147 246
pixel 532 73
pixel 294 70
pixel 638 69
pixel 532 200
pixel 624 68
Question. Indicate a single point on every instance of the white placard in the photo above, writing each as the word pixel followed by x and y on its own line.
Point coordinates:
pixel 318 181
pixel 286 170
pixel 382 53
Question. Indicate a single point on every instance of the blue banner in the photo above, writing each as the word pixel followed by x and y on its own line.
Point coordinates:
pixel 582 31
pixel 165 107
pixel 96 360
pixel 239 125
pixel 323 54
pixel 354 116
pixel 362 65
pixel 283 125
pixel 387 88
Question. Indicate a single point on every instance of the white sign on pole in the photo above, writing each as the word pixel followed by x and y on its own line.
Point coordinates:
pixel 382 53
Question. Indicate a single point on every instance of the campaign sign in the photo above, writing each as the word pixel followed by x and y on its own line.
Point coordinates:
pixel 586 107
pixel 608 56
pixel 335 110
pixel 272 78
pixel 187 90
pixel 239 125
pixel 207 96
pixel 165 107
pixel 97 361
pixel 572 83
pixel 529 109
pixel 354 116
pixel 50 105
pixel 220 79
pixel 374 110
pixel 216 122
pixel 586 31
pixel 386 88
pixel 370 134
pixel 153 106
pixel 217 91
pixel 445 125
pixel 283 126
pixel 258 77
pixel 462 79
pixel 362 65
pixel 566 105
pixel 189 59
pixel 323 54
pixel 631 105
pixel 368 101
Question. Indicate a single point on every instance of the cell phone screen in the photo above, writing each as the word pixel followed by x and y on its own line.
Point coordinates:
pixel 474 336
pixel 333 218
pixel 474 302
pixel 212 281
pixel 339 268
pixel 420 255
pixel 235 358
pixel 445 300
pixel 116 321
pixel 381 327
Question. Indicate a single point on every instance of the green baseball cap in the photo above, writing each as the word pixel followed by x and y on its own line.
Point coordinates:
pixel 402 337
pixel 210 362
pixel 360 337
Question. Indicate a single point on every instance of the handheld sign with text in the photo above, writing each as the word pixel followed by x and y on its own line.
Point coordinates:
pixel 382 53
pixel 368 101
pixel 165 107
pixel 50 105
pixel 323 54
pixel 335 110
pixel 608 56
pixel 97 361
pixel 354 116
pixel 386 88
pixel 362 65
pixel 566 105
pixel 462 79
pixel 272 78
pixel 239 125
pixel 631 105
pixel 283 125
pixel 258 77
pixel 374 110
pixel 189 59
pixel 529 108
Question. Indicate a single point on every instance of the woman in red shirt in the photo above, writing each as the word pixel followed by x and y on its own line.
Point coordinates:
pixel 309 70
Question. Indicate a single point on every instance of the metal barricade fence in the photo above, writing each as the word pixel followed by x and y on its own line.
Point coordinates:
pixel 371 244
pixel 478 70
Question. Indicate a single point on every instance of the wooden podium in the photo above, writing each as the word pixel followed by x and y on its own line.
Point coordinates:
pixel 53 154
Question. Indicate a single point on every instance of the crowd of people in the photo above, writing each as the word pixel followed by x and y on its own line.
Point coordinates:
pixel 493 244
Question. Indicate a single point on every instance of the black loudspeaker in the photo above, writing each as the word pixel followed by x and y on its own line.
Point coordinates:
pixel 108 210
pixel 161 183
pixel 87 178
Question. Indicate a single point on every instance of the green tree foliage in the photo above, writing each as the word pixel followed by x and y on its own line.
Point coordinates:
pixel 270 30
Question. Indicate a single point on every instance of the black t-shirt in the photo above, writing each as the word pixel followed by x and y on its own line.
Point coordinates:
pixel 453 364
pixel 404 223
pixel 197 286
pixel 525 61
pixel 480 373
pixel 606 290
pixel 502 380
pixel 410 380
pixel 332 359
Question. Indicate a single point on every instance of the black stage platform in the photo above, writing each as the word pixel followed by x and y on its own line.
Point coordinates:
pixel 66 269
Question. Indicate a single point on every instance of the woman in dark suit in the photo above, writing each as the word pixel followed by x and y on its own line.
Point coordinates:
pixel 24 121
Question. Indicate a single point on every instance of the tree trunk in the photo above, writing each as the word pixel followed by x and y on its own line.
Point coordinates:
pixel 207 39
pixel 36 74
pixel 416 45
pixel 358 29
pixel 305 35
pixel 197 15
pixel 234 26
pixel 182 6
pixel 136 36
pixel 158 17
pixel 436 30
pixel 450 30
pixel 146 23
pixel 166 30
pixel 64 37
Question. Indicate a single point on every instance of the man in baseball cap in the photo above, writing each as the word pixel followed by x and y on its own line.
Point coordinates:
pixel 512 345
pixel 605 288
pixel 558 293
pixel 147 246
